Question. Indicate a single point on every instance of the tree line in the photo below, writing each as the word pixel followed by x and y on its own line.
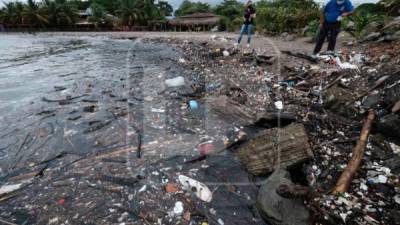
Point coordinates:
pixel 273 16
pixel 65 13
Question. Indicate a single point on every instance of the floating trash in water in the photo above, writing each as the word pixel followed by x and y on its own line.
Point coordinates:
pixel 206 149
pixel 175 82
pixel 9 188
pixel 200 189
pixel 279 105
pixel 193 105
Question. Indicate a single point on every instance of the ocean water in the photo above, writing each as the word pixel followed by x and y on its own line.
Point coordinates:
pixel 31 66
pixel 84 95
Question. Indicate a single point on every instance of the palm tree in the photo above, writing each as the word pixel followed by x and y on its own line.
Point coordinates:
pixel 12 13
pixel 150 10
pixel 18 12
pixel 2 15
pixel 128 12
pixel 60 13
pixel 33 15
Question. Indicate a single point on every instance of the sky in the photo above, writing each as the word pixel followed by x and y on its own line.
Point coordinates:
pixel 176 3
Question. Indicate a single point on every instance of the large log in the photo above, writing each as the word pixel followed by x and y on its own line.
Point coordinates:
pixel 345 179
pixel 275 148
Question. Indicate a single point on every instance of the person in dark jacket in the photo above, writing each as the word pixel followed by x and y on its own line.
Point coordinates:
pixel 249 16
pixel 334 12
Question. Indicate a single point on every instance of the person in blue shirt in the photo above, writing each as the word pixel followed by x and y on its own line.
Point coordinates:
pixel 334 12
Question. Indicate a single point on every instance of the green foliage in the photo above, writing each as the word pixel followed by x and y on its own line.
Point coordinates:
pixel 33 15
pixel 64 13
pixel 312 28
pixel 370 8
pixel 364 15
pixel 231 9
pixel 226 24
pixel 223 23
pixel 12 13
pixel 187 7
pixel 164 8
pixel 231 12
pixel 60 13
pixel 361 21
pixel 128 12
pixel 285 15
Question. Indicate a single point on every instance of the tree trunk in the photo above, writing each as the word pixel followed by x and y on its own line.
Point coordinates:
pixel 345 179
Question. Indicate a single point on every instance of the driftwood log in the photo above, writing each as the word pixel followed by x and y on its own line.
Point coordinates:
pixel 275 148
pixel 345 179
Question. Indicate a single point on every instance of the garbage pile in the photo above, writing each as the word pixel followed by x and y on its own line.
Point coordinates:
pixel 244 127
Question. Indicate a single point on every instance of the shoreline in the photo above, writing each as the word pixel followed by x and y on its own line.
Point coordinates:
pixel 298 44
pixel 120 186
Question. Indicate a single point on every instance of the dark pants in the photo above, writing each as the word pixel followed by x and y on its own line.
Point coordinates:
pixel 331 29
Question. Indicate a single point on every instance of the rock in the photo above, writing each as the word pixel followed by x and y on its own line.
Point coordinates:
pixel 336 98
pixel 372 100
pixel 392 37
pixel 372 27
pixel 287 37
pixel 389 126
pixel 392 95
pixel 371 37
pixel 393 164
pixel 259 155
pixel 392 27
pixel 277 210
pixel 394 216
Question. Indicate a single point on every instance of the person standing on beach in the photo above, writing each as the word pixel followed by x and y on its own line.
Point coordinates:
pixel 249 16
pixel 334 12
